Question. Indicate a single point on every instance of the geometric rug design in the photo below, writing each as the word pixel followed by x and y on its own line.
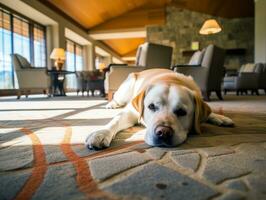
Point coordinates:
pixel 42 155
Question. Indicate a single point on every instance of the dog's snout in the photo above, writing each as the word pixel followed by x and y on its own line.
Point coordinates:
pixel 164 132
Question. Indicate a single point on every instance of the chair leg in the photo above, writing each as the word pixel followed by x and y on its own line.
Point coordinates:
pixel 253 91
pixel 257 92
pixel 246 92
pixel 18 95
pixel 265 91
pixel 225 91
pixel 77 92
pixel 219 94
pixel 206 95
pixel 237 92
pixel 27 93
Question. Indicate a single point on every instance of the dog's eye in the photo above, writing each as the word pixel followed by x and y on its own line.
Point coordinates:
pixel 180 112
pixel 152 107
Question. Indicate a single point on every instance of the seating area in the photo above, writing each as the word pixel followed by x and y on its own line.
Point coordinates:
pixel 251 77
pixel 132 99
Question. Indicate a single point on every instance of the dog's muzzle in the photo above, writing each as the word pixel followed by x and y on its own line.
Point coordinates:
pixel 163 135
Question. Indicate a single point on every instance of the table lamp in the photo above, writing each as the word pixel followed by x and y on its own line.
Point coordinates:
pixel 58 54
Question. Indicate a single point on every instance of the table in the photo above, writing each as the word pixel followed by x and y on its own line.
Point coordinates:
pixel 57 81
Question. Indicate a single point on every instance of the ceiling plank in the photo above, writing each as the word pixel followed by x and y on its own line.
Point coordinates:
pixel 135 19
pixel 125 46
pixel 90 13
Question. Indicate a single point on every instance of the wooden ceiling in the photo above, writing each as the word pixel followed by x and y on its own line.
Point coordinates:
pixel 90 13
pixel 126 47
pixel 102 15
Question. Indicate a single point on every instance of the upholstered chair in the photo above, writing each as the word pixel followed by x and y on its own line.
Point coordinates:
pixel 207 69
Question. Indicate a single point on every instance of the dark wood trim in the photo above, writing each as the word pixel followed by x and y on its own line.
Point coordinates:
pixel 31 35
pixel 12 49
pixel 63 14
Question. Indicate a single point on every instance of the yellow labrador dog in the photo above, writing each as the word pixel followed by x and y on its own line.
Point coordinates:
pixel 169 104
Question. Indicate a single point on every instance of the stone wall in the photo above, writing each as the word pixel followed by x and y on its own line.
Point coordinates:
pixel 182 27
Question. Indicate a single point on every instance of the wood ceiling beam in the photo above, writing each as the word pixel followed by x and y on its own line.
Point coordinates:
pixel 118 34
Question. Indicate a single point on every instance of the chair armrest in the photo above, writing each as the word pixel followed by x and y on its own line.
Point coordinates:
pixel 199 74
pixel 184 65
pixel 32 78
pixel 118 74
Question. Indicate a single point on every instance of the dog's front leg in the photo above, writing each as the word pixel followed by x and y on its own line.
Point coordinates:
pixel 219 120
pixel 102 138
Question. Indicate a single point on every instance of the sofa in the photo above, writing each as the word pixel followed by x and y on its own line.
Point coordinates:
pixel 207 69
pixel 30 79
pixel 249 77
pixel 148 56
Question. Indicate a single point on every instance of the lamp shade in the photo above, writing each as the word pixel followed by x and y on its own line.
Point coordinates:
pixel 210 26
pixel 58 54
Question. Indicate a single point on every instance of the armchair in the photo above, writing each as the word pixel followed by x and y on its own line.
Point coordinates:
pixel 148 56
pixel 29 78
pixel 250 77
pixel 207 70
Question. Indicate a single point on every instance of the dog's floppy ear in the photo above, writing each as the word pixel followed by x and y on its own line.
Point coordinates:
pixel 138 102
pixel 202 111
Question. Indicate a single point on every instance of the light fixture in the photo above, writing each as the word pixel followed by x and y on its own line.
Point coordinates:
pixel 210 26
pixel 58 54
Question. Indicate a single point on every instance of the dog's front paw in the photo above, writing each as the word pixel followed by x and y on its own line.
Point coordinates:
pixel 99 139
pixel 112 105
pixel 226 121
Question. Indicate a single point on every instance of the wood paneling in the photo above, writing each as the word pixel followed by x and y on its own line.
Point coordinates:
pixel 125 46
pixel 90 13
pixel 134 19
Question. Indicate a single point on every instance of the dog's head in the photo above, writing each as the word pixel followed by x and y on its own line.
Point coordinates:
pixel 170 112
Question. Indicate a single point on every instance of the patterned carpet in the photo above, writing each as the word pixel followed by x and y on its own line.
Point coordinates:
pixel 42 155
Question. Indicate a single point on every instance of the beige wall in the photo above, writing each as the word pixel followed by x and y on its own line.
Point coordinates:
pixel 260 31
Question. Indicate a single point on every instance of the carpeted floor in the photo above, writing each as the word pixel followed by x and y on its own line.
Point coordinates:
pixel 42 155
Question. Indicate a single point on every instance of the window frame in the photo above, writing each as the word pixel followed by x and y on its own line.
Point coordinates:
pixel 14 14
pixel 75 45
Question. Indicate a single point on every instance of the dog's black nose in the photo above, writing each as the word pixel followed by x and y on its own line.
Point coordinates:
pixel 163 132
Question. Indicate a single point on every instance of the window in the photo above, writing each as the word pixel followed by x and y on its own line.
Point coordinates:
pixel 74 54
pixel 6 71
pixel 39 46
pixel 74 61
pixel 22 36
